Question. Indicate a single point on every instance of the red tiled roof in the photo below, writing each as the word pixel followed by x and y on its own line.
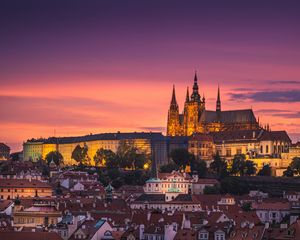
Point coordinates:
pixel 183 234
pixel 207 181
pixel 23 183
pixel 29 235
pixel 256 232
pixel 4 204
pixel 271 206
pixel 293 232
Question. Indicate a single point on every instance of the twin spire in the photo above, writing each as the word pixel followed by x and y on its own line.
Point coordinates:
pixel 195 97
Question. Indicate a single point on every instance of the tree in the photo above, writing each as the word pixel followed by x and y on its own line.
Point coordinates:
pixel 218 167
pixel 199 166
pixel 141 160
pixel 80 155
pixel 233 185
pixel 181 157
pixel 129 156
pixel 169 167
pixel 104 157
pixel 242 167
pixel 54 156
pixel 265 171
pixel 237 166
pixel 246 206
pixel 211 190
pixel 249 168
pixel 15 156
pixel 289 172
pixel 58 189
pixel 295 165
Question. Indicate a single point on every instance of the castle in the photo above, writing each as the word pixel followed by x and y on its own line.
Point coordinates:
pixel 195 118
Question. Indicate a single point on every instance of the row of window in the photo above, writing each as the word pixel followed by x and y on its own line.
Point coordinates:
pixel 16 190
pixel 200 145
pixel 170 185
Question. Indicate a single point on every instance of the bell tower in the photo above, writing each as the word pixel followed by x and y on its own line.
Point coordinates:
pixel 173 125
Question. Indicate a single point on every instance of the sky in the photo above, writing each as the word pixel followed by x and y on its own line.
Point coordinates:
pixel 78 67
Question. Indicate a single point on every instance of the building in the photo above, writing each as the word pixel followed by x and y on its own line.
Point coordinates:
pixel 176 183
pixel 294 151
pixel 39 214
pixel 4 151
pixel 253 143
pixel 149 143
pixel 271 212
pixel 195 117
pixel 93 230
pixel 201 146
pixel 13 188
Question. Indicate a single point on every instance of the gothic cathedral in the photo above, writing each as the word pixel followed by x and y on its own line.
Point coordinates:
pixel 195 118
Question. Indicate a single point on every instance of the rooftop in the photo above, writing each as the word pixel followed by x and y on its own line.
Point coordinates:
pixel 101 136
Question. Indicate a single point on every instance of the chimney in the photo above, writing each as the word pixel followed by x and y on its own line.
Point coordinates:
pixel 88 216
pixel 148 216
pixel 141 231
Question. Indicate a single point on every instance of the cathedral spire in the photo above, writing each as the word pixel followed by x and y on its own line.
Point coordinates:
pixel 187 99
pixel 218 106
pixel 173 101
pixel 195 95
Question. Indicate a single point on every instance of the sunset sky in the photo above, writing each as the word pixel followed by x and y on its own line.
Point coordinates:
pixel 80 67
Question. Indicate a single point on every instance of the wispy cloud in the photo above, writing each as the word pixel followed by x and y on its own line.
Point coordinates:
pixel 279 113
pixel 288 115
pixel 154 129
pixel 292 82
pixel 268 96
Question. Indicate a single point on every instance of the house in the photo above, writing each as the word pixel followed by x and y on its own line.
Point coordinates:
pixel 4 151
pixel 92 230
pixel 292 196
pixel 290 233
pixel 41 213
pixel 12 188
pixel 6 207
pixel 159 232
pixel 247 233
pixel 271 212
pixel 177 182
pixel 131 234
pixel 183 234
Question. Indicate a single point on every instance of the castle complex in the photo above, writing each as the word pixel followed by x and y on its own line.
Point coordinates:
pixel 195 118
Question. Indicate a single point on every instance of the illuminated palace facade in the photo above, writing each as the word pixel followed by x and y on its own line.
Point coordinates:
pixel 196 119
pixel 150 143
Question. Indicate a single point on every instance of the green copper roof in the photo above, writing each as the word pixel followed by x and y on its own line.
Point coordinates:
pixel 153 180
pixel 173 190
pixel 109 188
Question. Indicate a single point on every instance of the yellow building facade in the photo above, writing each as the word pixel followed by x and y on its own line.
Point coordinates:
pixel 40 149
